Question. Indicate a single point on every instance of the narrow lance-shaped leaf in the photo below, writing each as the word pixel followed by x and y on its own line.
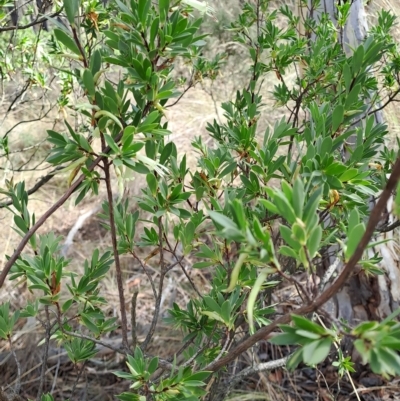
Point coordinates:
pixel 67 41
pixel 71 8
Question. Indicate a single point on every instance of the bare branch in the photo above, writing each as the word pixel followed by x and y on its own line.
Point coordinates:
pixel 45 353
pixel 37 21
pixel 390 227
pixel 133 317
pixel 17 388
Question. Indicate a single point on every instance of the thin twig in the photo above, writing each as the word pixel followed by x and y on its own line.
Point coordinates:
pixel 31 24
pixel 133 318
pixel 45 353
pixel 390 227
pixel 56 372
pixel 154 321
pixel 143 265
pixel 17 387
pixel 179 261
pixel 124 321
pixel 80 371
pixel 224 348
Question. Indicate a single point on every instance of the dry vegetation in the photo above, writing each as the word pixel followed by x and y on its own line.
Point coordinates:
pixel 27 122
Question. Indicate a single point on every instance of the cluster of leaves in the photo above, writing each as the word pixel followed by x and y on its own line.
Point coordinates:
pixel 181 385
pixel 329 164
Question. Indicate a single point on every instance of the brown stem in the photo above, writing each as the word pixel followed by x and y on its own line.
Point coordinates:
pixel 78 43
pixel 124 321
pixel 45 353
pixel 156 315
pixel 33 23
pixel 373 221
pixel 133 317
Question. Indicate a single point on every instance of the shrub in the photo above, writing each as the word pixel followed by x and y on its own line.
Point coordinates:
pixel 259 207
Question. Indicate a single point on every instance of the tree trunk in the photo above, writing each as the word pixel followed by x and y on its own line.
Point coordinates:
pixel 364 297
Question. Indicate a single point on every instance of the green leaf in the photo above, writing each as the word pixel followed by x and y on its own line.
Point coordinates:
pixel 90 324
pixel 166 153
pixel 285 208
pixel 390 360
pixel 298 197
pixel 143 9
pixel 335 169
pixel 20 223
pixel 154 30
pixel 269 206
pixel 213 316
pixel 294 360
pixel 67 41
pixel 347 76
pixel 326 146
pixel 163 6
pixel 352 97
pixel 287 251
pixel 299 233
pixel 226 311
pixel 317 351
pixel 285 339
pixel 286 234
pixel 238 214
pixel 312 206
pixel 153 365
pixel 223 221
pixel 348 174
pixel 253 296
pixel 201 376
pixel 358 57
pixel 111 143
pixel 202 265
pixel 227 170
pixel 152 183
pixel 306 324
pixel 334 182
pixel 95 62
pixel 235 272
pixel 314 241
pixel 88 81
pixel 337 117
pixel 71 8
pixel 212 304
pixel 308 334
pixel 354 219
pixel 354 239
